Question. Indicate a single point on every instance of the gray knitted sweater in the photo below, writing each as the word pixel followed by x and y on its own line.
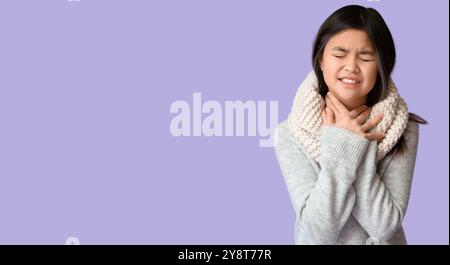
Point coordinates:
pixel 347 198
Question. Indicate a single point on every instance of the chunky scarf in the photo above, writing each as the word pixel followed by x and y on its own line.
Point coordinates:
pixel 305 120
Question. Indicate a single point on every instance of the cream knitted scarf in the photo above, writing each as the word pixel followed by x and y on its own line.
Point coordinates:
pixel 305 120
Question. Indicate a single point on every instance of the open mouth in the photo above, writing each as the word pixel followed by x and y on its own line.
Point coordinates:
pixel 349 81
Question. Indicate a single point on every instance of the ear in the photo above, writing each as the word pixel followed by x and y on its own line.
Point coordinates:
pixel 321 63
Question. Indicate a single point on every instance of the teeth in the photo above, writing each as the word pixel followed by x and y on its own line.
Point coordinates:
pixel 349 81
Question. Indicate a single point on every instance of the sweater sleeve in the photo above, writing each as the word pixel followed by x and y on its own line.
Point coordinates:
pixel 381 202
pixel 323 201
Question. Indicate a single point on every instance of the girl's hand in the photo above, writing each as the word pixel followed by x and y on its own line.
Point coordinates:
pixel 336 113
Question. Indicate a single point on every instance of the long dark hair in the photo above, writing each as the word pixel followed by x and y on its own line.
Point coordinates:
pixel 370 21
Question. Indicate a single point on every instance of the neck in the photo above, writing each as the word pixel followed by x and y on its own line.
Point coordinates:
pixel 353 104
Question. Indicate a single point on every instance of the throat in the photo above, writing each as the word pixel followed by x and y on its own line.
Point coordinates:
pixel 353 104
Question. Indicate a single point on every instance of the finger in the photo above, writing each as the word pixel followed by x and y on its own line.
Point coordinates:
pixel 372 123
pixel 375 136
pixel 330 115
pixel 338 104
pixel 356 112
pixel 363 116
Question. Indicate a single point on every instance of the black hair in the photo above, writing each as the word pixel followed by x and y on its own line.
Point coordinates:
pixel 371 22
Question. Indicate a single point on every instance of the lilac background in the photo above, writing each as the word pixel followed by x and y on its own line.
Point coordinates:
pixel 85 91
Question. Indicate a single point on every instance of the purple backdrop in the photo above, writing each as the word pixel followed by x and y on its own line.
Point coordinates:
pixel 85 92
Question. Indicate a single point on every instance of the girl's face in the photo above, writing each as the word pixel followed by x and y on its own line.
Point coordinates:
pixel 349 67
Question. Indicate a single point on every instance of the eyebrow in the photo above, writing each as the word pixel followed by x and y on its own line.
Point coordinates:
pixel 363 51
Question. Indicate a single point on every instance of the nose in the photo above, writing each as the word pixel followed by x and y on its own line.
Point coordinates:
pixel 351 65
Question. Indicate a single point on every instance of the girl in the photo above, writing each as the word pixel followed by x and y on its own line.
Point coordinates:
pixel 348 148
